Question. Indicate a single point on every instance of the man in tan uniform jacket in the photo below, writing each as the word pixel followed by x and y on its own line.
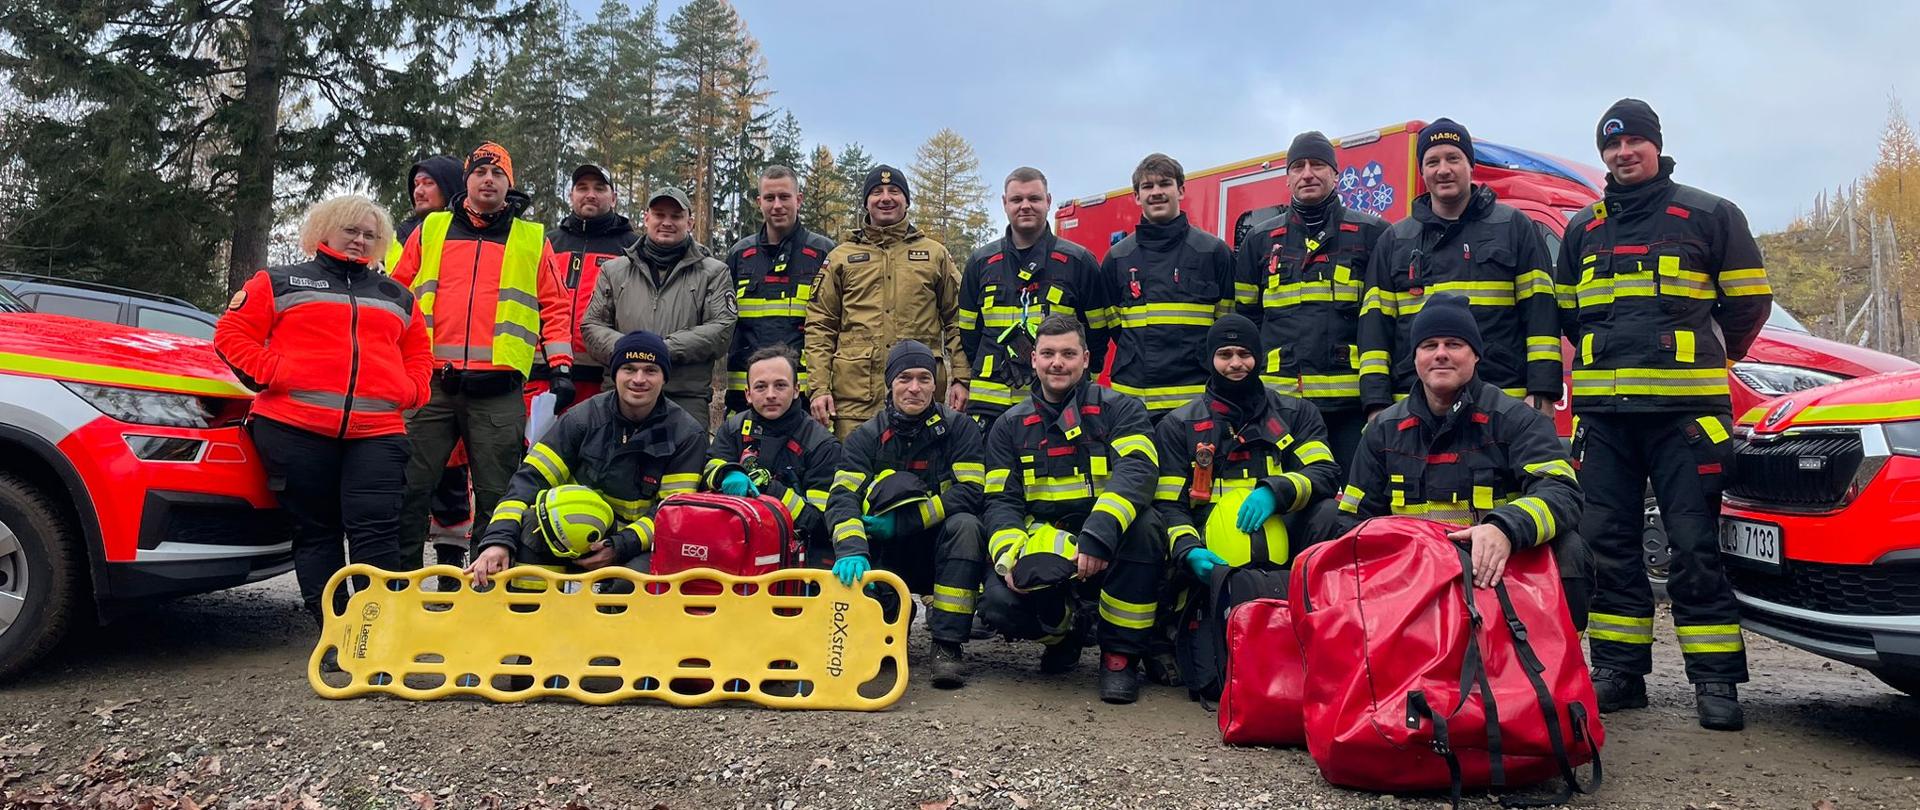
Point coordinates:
pixel 888 283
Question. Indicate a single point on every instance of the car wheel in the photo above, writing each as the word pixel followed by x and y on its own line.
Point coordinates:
pixel 41 571
pixel 1905 680
pixel 1654 548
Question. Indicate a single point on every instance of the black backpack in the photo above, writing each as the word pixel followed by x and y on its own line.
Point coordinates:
pixel 1200 639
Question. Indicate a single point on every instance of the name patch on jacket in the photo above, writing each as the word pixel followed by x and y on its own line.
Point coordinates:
pixel 858 257
pixel 315 284
pixel 919 255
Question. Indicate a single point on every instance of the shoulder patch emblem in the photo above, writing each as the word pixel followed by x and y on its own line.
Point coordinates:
pixel 239 300
pixel 858 257
pixel 312 284
pixel 919 255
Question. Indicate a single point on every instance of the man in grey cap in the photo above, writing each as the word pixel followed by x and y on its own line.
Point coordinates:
pixel 667 284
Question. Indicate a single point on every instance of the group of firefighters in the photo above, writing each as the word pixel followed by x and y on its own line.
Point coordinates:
pixel 943 422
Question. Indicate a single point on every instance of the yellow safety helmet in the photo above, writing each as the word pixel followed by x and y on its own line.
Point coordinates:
pixel 1046 559
pixel 1237 547
pixel 571 518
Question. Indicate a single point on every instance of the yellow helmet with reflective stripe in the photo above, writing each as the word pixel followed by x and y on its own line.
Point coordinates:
pixel 570 518
pixel 1046 558
pixel 1238 547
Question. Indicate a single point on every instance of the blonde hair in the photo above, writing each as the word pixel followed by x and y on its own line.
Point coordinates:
pixel 331 215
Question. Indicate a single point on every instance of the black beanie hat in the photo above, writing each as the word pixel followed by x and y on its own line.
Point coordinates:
pixel 1312 144
pixel 1443 132
pixel 1446 315
pixel 642 347
pixel 884 175
pixel 1233 330
pixel 1628 116
pixel 908 354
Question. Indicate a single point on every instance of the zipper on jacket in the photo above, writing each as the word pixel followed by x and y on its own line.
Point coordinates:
pixel 473 280
pixel 353 365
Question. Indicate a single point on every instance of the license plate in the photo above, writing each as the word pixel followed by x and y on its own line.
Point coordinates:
pixel 1758 542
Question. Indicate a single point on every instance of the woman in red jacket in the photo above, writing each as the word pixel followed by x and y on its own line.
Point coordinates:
pixel 339 353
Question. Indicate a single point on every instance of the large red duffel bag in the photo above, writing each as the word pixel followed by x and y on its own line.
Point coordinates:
pixel 1418 681
pixel 730 534
pixel 1260 704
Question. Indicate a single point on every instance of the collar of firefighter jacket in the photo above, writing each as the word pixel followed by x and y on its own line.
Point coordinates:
pixel 1067 413
pixel 1642 198
pixel 1479 204
pixel 1160 237
pixel 880 237
pixel 1264 425
pixel 754 425
pixel 1240 402
pixel 603 225
pixel 900 425
pixel 797 236
pixel 1467 403
pixel 652 435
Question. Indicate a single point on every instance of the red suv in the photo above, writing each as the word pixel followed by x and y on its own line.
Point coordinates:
pixel 1821 528
pixel 124 476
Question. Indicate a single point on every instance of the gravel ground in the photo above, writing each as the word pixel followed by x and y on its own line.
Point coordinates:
pixel 203 703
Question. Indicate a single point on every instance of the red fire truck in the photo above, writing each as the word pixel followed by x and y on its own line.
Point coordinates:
pixel 1378 174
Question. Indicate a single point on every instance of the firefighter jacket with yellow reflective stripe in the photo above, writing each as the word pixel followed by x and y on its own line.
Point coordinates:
pixel 1302 286
pixel 1086 465
pixel 633 465
pixel 791 458
pixel 1209 448
pixel 1167 283
pixel 772 284
pixel 1496 258
pixel 491 294
pixel 1650 280
pixel 1005 293
pixel 1489 459
pixel 885 285
pixel 690 305
pixel 941 447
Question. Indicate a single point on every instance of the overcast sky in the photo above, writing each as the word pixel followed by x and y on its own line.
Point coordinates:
pixel 1764 103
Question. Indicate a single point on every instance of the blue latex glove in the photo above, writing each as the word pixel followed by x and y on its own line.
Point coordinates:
pixel 737 483
pixel 1255 510
pixel 879 527
pixel 851 569
pixel 1201 562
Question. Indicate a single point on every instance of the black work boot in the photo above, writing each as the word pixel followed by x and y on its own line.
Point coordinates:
pixel 949 670
pixel 1119 680
pixel 1162 669
pixel 1060 657
pixel 1719 706
pixel 1617 690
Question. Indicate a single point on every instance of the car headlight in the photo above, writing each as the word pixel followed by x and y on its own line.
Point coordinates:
pixel 144 407
pixel 1903 438
pixel 1769 380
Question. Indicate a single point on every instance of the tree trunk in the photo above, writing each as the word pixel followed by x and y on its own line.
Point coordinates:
pixel 257 139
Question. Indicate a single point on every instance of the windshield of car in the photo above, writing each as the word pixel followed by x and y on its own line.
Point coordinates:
pixel 8 303
pixel 1780 318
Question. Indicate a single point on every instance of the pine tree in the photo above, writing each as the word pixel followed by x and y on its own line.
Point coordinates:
pixel 625 124
pixel 853 164
pixel 537 114
pixel 195 113
pixel 719 96
pixel 827 205
pixel 1892 192
pixel 948 194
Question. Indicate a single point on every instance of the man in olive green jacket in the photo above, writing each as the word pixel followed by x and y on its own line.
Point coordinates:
pixel 668 285
pixel 887 283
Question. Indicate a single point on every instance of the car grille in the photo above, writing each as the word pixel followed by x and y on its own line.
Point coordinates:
pixel 1854 590
pixel 1777 472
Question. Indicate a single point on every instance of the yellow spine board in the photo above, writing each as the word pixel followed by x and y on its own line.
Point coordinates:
pixel 688 639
